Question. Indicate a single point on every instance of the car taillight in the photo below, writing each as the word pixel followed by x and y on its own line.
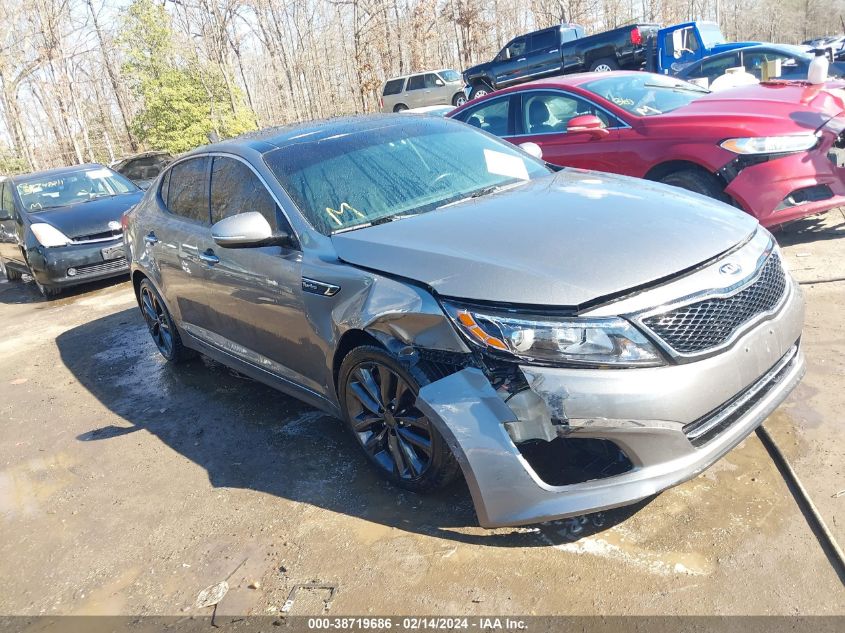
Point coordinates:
pixel 636 36
pixel 124 221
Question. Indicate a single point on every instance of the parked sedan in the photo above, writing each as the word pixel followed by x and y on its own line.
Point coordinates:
pixel 63 226
pixel 144 168
pixel 775 151
pixel 464 308
pixel 794 63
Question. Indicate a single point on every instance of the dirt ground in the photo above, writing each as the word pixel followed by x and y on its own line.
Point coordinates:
pixel 127 486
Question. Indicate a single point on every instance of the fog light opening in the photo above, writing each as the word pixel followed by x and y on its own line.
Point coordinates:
pixel 573 460
pixel 72 272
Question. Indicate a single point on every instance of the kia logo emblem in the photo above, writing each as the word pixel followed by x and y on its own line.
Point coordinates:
pixel 730 269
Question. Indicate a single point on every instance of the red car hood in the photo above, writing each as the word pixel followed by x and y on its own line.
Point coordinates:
pixel 789 107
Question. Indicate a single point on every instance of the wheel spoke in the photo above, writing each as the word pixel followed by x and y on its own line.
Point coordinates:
pixel 410 457
pixel 149 311
pixel 422 443
pixel 375 441
pixel 364 420
pixel 414 418
pixel 387 385
pixel 402 391
pixel 363 396
pixel 365 377
pixel 396 453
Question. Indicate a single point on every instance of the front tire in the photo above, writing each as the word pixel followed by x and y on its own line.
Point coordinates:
pixel 378 398
pixel 697 181
pixel 160 324
pixel 11 273
pixel 459 99
pixel 47 291
pixel 604 65
pixel 400 107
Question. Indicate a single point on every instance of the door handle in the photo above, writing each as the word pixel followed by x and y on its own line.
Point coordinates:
pixel 521 59
pixel 150 238
pixel 554 50
pixel 209 257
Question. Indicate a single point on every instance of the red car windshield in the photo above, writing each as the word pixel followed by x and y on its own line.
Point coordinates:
pixel 645 94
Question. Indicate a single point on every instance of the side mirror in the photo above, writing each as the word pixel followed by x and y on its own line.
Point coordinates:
pixel 5 214
pixel 439 82
pixel 247 230
pixel 588 123
pixel 532 148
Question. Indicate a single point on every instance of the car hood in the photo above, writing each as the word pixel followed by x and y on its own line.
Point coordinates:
pixel 88 218
pixel 781 107
pixel 564 240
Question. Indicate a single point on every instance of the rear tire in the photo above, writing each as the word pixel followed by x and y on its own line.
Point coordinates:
pixel 479 90
pixel 161 326
pixel 402 444
pixel 400 107
pixel 604 65
pixel 697 181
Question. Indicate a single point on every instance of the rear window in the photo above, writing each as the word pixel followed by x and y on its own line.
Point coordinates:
pixel 393 87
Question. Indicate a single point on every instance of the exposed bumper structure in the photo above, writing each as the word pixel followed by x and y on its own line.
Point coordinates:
pixel 672 422
pixel 794 186
pixel 78 263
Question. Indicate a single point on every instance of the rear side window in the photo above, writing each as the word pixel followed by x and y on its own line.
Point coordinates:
pixel 393 87
pixel 187 190
pixel 417 82
pixel 491 116
pixel 545 40
pixel 236 189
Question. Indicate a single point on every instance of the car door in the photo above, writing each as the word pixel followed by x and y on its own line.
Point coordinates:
pixel 256 293
pixel 9 227
pixel 437 93
pixel 415 91
pixel 542 117
pixel 544 53
pixel 511 62
pixel 178 239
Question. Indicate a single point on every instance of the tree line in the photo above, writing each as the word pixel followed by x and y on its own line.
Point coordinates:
pixel 95 80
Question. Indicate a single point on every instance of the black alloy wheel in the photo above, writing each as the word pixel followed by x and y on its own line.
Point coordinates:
pixel 379 397
pixel 160 324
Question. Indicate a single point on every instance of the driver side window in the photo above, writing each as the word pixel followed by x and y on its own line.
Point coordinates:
pixel 236 189
pixel 515 49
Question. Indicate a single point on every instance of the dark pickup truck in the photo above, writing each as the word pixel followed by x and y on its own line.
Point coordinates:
pixel 560 50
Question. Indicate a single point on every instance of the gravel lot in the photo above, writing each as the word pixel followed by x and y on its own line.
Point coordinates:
pixel 127 486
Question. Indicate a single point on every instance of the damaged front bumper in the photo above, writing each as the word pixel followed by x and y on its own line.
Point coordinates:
pixel 671 422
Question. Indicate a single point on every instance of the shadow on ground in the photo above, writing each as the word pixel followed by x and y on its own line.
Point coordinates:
pixel 247 435
pixel 25 292
pixel 817 228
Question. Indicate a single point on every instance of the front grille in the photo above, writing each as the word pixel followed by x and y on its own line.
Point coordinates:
pixel 713 424
pixel 700 326
pixel 104 267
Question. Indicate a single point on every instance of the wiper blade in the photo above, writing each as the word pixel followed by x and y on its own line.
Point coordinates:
pixel 682 87
pixel 478 193
pixel 383 220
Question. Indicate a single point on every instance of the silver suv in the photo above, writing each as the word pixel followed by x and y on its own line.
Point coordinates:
pixel 440 87
pixel 570 341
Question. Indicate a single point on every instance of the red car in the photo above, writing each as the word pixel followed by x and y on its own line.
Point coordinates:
pixel 774 150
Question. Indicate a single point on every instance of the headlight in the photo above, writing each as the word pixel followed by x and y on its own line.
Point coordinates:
pixel 49 235
pixel 596 341
pixel 771 144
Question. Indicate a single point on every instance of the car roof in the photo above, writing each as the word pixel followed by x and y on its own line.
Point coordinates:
pixel 575 79
pixel 421 72
pixel 56 172
pixel 267 140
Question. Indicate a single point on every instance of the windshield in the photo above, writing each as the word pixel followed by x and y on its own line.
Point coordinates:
pixel 645 94
pixel 71 188
pixel 711 34
pixel 370 176
pixel 450 75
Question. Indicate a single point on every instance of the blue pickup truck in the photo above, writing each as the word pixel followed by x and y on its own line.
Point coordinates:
pixel 677 46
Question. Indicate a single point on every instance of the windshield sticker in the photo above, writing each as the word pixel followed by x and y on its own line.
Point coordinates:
pixel 505 165
pixel 344 210
pixel 98 173
pixel 623 101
